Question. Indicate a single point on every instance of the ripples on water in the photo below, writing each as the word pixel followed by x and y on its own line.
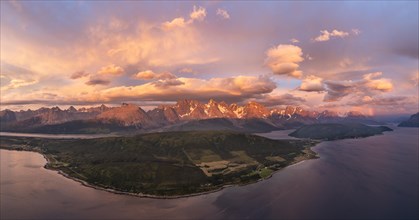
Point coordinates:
pixel 375 177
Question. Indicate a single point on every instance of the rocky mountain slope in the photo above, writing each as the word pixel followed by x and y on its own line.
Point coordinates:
pixel 413 121
pixel 184 115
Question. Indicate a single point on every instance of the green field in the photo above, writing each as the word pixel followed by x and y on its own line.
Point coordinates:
pixel 167 164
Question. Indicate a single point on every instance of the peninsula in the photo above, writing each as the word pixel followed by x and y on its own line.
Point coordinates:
pixel 169 164
pixel 334 131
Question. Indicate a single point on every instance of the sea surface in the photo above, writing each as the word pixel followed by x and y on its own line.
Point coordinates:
pixel 374 177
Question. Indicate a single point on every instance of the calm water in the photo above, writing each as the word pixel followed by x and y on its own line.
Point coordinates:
pixel 375 177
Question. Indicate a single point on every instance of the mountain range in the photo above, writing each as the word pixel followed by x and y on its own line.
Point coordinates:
pixel 184 115
pixel 413 121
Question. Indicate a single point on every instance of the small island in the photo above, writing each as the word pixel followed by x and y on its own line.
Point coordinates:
pixel 169 164
pixel 334 131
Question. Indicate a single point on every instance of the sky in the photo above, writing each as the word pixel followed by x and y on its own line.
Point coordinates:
pixel 340 56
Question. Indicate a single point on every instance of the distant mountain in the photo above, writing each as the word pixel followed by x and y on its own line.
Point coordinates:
pixel 7 116
pixel 127 115
pixel 413 121
pixel 358 117
pixel 41 117
pixel 334 131
pixel 184 115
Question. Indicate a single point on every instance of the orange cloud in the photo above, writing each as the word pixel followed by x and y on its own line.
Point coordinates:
pixel 381 84
pixel 284 59
pixel 231 88
pixel 312 84
pixel 167 83
pixel 111 70
pixel 149 75
pixel 279 100
pixel 198 13
pixel 17 83
pixel 237 88
pixel 177 22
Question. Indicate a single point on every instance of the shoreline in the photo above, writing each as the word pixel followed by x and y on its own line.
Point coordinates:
pixel 149 196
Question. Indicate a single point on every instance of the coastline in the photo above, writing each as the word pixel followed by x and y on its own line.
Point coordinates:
pixel 150 196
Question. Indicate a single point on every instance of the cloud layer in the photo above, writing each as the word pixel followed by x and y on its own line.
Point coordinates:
pixel 231 89
pixel 149 75
pixel 134 51
pixel 367 86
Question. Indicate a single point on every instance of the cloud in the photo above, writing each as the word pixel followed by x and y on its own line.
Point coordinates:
pixel 186 70
pixel 14 77
pixel 278 100
pixel 94 82
pixel 55 102
pixel 337 90
pixel 284 59
pixel 383 101
pixel 382 84
pixel 369 85
pixel 223 13
pixel 111 70
pixel 17 83
pixel 308 57
pixel 117 24
pixel 167 83
pixel 326 35
pixel 79 74
pixel 356 31
pixel 96 43
pixel 36 39
pixel 198 13
pixel 176 22
pixel 312 83
pixel 145 75
pixel 228 89
pixel 294 40
pixel 379 104
pixel 149 75
pixel 170 44
pixel 415 78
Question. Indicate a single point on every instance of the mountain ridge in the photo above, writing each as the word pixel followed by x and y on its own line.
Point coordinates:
pixel 413 121
pixel 185 114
